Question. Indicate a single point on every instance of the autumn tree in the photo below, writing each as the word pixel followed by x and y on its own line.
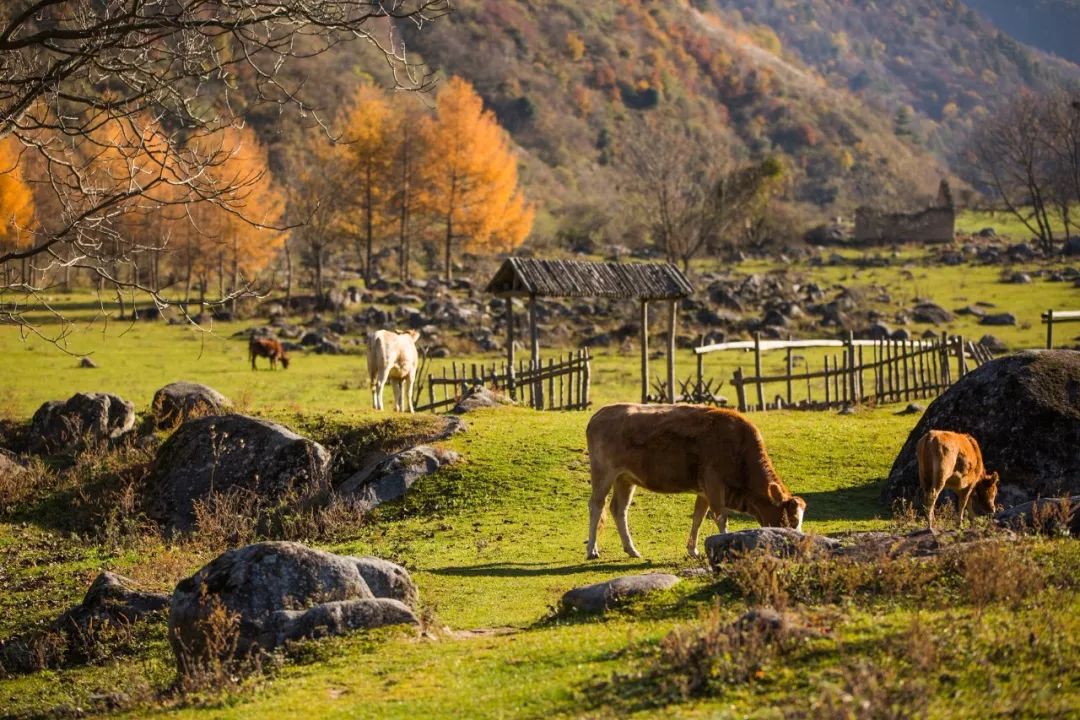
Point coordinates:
pixel 370 129
pixel 16 202
pixel 470 176
pixel 67 68
pixel 405 178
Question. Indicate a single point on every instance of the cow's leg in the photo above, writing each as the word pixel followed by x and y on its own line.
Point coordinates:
pixel 930 502
pixel 701 506
pixel 397 395
pixel 380 384
pixel 407 389
pixel 620 509
pixel 601 485
pixel 252 359
pixel 962 498
pixel 718 504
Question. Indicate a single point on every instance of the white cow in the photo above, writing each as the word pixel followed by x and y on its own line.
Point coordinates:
pixel 392 356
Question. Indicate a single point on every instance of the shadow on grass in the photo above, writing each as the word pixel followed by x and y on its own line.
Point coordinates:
pixel 539 569
pixel 853 503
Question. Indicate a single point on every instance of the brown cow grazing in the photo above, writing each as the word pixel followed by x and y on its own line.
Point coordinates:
pixel 268 348
pixel 954 461
pixel 716 454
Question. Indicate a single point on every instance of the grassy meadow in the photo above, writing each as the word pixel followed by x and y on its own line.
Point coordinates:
pixel 494 542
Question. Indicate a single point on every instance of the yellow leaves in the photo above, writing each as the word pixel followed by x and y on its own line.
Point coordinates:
pixel 16 200
pixel 471 173
pixel 575 46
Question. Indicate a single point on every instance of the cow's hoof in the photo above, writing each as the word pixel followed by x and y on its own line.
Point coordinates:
pixel 633 553
pixel 693 552
pixel 594 555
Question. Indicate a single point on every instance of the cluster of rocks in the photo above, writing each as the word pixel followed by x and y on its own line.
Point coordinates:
pixel 246 601
pixel 213 451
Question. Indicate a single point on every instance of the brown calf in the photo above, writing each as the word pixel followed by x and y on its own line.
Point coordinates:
pixel 954 461
pixel 268 348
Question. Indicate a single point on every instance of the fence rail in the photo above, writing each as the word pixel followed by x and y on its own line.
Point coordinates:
pixel 562 384
pixel 864 371
pixel 1052 317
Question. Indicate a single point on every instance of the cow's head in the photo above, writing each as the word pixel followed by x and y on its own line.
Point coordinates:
pixel 414 334
pixel 284 360
pixel 792 511
pixel 986 493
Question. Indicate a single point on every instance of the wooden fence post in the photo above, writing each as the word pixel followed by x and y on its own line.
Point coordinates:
pixel 757 371
pixel 740 390
pixel 673 316
pixel 790 370
pixel 1050 329
pixel 852 397
pixel 961 367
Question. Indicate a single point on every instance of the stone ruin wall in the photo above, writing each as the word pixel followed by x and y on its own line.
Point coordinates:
pixel 933 225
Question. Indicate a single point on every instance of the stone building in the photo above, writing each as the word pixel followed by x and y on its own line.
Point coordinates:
pixel 936 224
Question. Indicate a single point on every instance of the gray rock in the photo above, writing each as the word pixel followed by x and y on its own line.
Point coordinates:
pixel 1023 409
pixel 279 591
pixel 603 595
pixel 993 344
pixel 388 580
pixel 1050 516
pixel 235 452
pixel 83 421
pixel 776 541
pixel 1019 278
pixel 391 477
pixel 478 397
pixel 87 363
pixel 998 319
pixel 179 402
pixel 10 467
pixel 1072 245
pixel 111 600
pixel 900 334
pixel 930 313
pixel 912 409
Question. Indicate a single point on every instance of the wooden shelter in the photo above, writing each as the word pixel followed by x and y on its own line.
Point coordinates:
pixel 643 282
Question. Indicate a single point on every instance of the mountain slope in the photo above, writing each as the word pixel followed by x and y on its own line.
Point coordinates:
pixel 937 65
pixel 1050 25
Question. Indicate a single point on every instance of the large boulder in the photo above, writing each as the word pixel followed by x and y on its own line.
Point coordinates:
pixel 1024 410
pixel 480 397
pixel 230 453
pixel 83 421
pixel 783 542
pixel 391 477
pixel 179 402
pixel 928 312
pixel 601 596
pixel 276 592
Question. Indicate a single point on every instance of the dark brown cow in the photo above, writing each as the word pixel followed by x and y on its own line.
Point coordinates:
pixel 268 348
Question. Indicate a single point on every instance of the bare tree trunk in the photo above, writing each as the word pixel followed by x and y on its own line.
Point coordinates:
pixel 319 274
pixel 235 276
pixel 449 241
pixel 368 209
pixel 403 225
pixel 288 274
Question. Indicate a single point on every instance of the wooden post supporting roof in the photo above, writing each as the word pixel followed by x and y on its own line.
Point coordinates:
pixel 673 314
pixel 510 348
pixel 644 351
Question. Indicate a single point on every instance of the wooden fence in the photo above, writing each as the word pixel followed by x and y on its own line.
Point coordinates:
pixel 861 371
pixel 1052 317
pixel 558 384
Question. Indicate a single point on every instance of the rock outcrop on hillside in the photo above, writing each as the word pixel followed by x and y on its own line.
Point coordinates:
pixel 82 422
pixel 230 453
pixel 275 592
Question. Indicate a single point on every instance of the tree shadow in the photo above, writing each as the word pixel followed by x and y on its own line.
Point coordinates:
pixel 539 569
pixel 862 502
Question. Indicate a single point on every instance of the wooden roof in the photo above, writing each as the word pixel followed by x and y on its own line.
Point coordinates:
pixel 578 278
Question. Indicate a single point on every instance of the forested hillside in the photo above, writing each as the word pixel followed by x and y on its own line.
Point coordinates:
pixel 936 65
pixel 1050 25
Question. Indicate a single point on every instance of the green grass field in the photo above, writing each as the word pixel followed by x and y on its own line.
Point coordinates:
pixel 496 540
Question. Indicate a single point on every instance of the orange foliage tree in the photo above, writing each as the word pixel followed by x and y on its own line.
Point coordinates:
pixel 16 200
pixel 369 128
pixel 470 176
